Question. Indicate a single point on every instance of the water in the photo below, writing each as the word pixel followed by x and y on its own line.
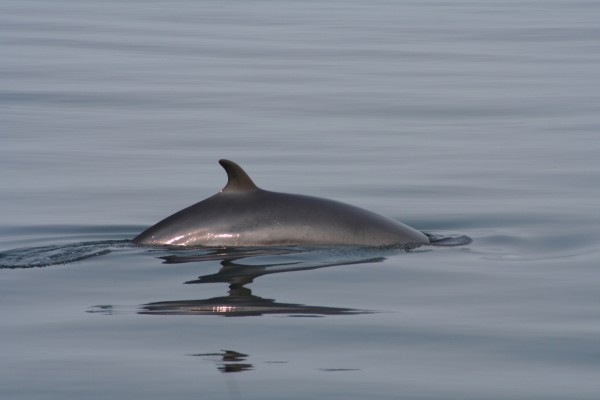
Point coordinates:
pixel 475 118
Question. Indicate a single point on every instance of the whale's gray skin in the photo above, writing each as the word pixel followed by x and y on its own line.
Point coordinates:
pixel 242 214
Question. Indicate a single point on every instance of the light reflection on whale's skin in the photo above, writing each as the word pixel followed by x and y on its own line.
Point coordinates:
pixel 61 254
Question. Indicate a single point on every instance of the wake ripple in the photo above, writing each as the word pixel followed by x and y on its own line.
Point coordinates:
pixel 442 240
pixel 43 256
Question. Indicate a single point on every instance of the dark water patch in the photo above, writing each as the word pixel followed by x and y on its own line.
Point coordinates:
pixel 228 361
pixel 339 369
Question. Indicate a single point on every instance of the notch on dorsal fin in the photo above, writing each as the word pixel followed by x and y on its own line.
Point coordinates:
pixel 237 179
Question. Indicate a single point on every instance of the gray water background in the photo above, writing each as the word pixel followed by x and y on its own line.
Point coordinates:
pixel 456 117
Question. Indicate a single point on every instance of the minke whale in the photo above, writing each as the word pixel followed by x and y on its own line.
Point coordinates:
pixel 242 214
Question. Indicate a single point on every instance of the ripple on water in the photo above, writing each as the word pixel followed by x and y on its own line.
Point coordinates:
pixel 43 256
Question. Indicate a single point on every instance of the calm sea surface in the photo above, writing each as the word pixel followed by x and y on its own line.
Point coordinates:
pixel 478 118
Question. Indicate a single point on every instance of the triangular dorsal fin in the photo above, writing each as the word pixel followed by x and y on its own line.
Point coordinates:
pixel 237 179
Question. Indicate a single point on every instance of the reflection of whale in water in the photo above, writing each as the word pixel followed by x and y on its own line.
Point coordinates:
pixel 230 361
pixel 236 273
pixel 240 303
pixel 260 261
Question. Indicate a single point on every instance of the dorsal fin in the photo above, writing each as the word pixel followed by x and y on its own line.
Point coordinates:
pixel 237 179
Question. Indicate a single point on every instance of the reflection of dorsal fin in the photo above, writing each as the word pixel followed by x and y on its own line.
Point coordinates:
pixel 237 179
